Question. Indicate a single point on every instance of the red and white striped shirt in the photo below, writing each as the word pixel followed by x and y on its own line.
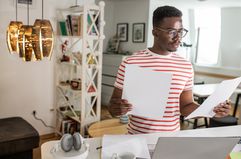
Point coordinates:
pixel 182 80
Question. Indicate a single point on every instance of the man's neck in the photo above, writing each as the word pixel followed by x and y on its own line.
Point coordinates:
pixel 158 51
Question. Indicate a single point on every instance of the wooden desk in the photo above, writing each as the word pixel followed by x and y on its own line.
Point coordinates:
pixel 109 126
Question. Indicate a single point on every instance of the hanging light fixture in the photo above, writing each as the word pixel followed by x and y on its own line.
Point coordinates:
pixel 12 34
pixel 42 38
pixel 30 42
pixel 25 41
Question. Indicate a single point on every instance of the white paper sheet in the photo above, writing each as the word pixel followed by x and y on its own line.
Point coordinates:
pixel 223 91
pixel 124 143
pixel 146 90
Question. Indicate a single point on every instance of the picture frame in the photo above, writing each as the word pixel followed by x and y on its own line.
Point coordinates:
pixel 122 32
pixel 138 33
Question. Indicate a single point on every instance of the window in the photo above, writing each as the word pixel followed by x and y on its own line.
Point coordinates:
pixel 208 26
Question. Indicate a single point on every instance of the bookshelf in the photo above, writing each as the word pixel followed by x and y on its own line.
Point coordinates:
pixel 79 66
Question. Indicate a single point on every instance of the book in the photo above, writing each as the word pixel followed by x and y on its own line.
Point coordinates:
pixel 63 28
pixel 75 24
pixel 69 24
pixel 80 28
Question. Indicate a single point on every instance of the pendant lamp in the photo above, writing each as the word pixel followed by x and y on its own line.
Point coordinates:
pixel 12 34
pixel 30 42
pixel 42 38
pixel 25 41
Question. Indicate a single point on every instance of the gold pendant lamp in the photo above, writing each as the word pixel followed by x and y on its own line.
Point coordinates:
pixel 25 41
pixel 31 42
pixel 12 34
pixel 43 38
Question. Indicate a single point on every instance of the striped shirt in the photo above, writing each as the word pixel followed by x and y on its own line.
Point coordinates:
pixel 182 80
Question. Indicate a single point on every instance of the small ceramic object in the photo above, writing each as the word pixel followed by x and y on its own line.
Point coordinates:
pixel 124 155
pixel 124 119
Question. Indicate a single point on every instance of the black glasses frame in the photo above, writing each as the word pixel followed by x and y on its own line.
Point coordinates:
pixel 174 32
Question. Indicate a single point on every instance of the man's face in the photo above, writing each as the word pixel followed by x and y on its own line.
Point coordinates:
pixel 168 35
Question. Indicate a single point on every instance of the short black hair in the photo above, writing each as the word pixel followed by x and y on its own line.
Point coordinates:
pixel 164 11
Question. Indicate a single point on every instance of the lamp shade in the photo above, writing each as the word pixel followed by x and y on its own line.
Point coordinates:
pixel 25 43
pixel 43 39
pixel 12 36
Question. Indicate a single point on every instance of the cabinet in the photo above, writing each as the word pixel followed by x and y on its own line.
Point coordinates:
pixel 111 64
pixel 79 45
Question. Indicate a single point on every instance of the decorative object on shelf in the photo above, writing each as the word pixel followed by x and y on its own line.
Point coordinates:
pixel 76 84
pixel 122 32
pixel 90 59
pixel 30 42
pixel 138 33
pixel 91 89
pixel 64 48
pixel 113 45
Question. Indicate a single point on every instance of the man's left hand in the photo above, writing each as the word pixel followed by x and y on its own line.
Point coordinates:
pixel 223 109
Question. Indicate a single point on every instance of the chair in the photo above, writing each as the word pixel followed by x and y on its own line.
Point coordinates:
pixel 17 138
pixel 199 101
pixel 195 124
pixel 228 120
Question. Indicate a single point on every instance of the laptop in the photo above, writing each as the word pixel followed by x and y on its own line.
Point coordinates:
pixel 194 147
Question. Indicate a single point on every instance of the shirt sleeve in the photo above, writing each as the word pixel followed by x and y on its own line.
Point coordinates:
pixel 120 75
pixel 189 83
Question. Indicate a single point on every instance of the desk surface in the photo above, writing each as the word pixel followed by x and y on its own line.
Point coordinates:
pixel 151 139
pixel 109 126
pixel 204 90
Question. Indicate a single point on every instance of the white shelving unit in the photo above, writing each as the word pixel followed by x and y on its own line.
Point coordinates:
pixel 85 53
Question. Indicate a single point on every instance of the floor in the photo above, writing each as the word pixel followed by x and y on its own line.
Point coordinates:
pixel 105 115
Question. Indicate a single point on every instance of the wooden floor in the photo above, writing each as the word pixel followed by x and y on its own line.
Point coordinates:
pixel 105 115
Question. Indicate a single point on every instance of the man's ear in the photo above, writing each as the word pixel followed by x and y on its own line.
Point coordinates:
pixel 154 33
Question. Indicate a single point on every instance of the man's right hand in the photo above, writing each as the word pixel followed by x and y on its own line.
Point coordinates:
pixel 119 107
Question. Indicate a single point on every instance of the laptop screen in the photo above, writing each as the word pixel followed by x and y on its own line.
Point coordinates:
pixel 194 147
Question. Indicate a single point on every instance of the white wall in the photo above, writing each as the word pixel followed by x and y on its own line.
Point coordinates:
pixel 230 37
pixel 125 11
pixel 28 86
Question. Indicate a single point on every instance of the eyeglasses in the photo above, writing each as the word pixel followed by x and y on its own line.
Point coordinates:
pixel 174 32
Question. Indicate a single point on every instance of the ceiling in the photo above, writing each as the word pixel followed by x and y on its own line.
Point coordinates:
pixel 203 3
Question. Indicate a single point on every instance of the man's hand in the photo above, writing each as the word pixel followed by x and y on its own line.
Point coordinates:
pixel 223 109
pixel 119 107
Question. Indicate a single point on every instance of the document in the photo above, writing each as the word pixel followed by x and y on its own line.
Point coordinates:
pixel 124 144
pixel 223 91
pixel 146 90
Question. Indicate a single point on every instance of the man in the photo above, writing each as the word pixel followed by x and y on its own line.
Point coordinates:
pixel 168 32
